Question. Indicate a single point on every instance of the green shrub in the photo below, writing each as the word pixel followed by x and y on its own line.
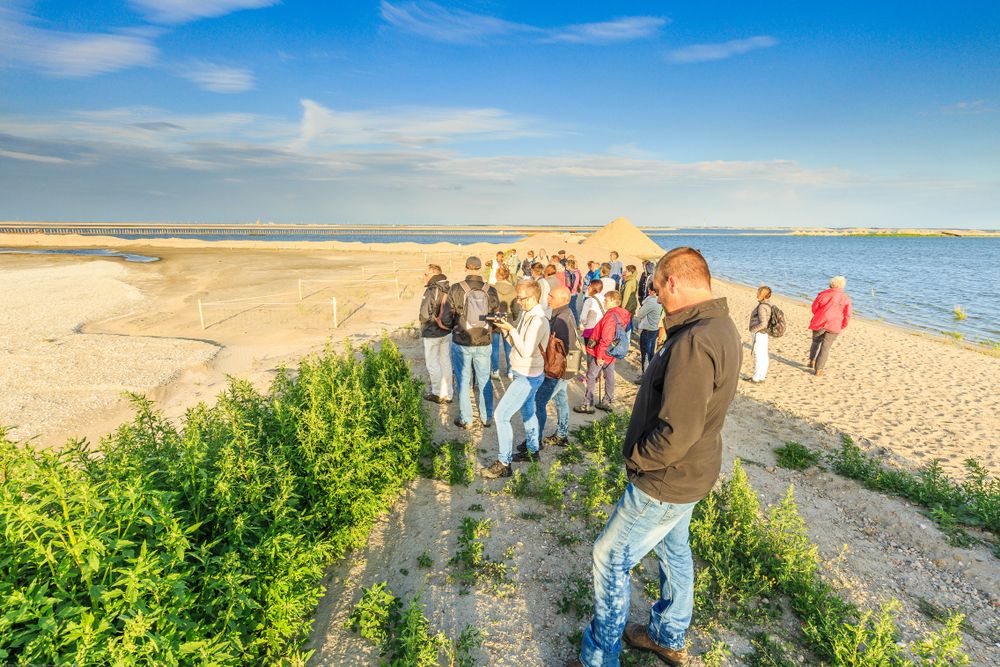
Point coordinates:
pixel 206 543
pixel 452 462
pixel 795 456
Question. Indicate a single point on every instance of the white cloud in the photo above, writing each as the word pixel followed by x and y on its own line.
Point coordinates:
pixel 32 157
pixel 412 126
pixel 698 53
pixel 971 108
pixel 182 11
pixel 625 29
pixel 70 54
pixel 219 78
pixel 459 26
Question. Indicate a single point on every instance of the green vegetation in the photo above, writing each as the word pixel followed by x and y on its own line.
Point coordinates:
pixel 404 637
pixel 751 556
pixel 795 456
pixel 972 502
pixel 451 462
pixel 959 314
pixel 577 597
pixel 424 560
pixel 472 563
pixel 204 543
pixel 531 483
pixel 957 335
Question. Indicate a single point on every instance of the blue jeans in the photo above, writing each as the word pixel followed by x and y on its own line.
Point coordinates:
pixel 475 362
pixel 638 525
pixel 553 389
pixel 495 355
pixel 456 362
pixel 647 346
pixel 574 307
pixel 520 395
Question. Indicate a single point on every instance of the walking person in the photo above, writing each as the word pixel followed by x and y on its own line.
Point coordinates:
pixel 647 321
pixel 831 312
pixel 599 362
pixel 435 335
pixel 468 303
pixel 673 455
pixel 511 310
pixel 759 319
pixel 562 326
pixel 527 341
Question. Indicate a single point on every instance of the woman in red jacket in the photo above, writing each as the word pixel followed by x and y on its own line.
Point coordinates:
pixel 831 313
pixel 598 360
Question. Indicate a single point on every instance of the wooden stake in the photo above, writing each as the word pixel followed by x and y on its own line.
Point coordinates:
pixel 336 325
pixel 201 315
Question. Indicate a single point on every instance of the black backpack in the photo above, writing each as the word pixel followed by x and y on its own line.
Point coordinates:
pixel 776 323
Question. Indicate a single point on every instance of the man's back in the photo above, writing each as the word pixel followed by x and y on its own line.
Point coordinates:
pixel 673 447
pixel 477 335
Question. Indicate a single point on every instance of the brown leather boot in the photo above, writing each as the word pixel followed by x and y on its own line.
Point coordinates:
pixel 637 636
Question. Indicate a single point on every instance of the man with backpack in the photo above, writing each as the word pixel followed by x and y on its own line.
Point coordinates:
pixel 563 328
pixel 465 311
pixel 436 336
pixel 607 344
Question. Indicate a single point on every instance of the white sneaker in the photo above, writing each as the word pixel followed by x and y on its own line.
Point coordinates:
pixel 510 376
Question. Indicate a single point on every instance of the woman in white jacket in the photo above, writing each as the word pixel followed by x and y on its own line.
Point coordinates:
pixel 528 340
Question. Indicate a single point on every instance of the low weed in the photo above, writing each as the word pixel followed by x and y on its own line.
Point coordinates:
pixel 531 516
pixel 768 651
pixel 473 566
pixel 548 487
pixel 795 456
pixel 973 502
pixel 404 636
pixel 750 555
pixel 425 561
pixel 452 462
pixel 476 507
pixel 956 335
pixel 577 598
pixel 959 314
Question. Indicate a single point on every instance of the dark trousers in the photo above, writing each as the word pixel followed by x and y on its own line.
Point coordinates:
pixel 820 349
pixel 647 346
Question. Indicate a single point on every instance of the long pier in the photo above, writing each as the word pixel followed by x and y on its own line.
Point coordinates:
pixel 166 229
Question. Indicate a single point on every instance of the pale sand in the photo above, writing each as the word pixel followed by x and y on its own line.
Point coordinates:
pixel 915 396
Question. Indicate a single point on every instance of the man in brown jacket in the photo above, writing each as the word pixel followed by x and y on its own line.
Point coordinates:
pixel 673 455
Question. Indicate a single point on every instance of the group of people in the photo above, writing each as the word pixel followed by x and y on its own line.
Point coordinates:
pixel 691 354
pixel 502 315
pixel 831 313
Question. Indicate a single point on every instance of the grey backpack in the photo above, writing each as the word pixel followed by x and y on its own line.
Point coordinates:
pixel 475 307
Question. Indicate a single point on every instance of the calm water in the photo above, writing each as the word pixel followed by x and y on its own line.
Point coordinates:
pixel 911 281
pixel 128 257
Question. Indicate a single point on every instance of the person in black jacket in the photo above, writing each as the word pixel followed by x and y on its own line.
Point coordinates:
pixel 473 336
pixel 436 336
pixel 673 455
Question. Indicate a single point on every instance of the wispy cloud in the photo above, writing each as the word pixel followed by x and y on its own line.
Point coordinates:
pixel 71 54
pixel 32 157
pixel 971 108
pixel 459 26
pixel 697 53
pixel 456 26
pixel 625 29
pixel 410 126
pixel 219 78
pixel 182 11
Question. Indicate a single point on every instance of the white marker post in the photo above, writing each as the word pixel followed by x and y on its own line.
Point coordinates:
pixel 398 294
pixel 201 315
pixel 335 324
pixel 300 289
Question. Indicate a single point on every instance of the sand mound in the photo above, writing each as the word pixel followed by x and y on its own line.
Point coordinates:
pixel 626 238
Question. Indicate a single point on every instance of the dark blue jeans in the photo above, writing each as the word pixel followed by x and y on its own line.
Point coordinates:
pixel 647 346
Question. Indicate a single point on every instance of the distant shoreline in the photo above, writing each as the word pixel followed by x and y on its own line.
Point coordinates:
pixel 48 228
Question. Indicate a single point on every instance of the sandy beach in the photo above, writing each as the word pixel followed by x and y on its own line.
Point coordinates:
pixel 77 332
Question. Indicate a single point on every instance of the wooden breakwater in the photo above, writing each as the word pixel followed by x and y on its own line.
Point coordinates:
pixel 264 230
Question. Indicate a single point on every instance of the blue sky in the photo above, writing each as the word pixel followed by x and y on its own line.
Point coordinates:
pixel 491 112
